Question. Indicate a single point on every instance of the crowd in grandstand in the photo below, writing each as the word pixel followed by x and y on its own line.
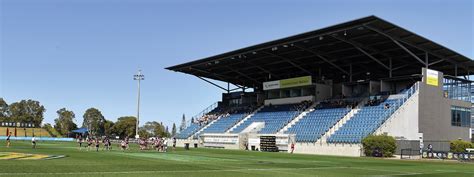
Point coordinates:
pixel 205 119
pixel 302 106
pixel 337 104
pixel 222 112
pixel 376 100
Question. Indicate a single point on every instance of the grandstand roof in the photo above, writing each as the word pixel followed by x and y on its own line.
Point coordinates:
pixel 365 48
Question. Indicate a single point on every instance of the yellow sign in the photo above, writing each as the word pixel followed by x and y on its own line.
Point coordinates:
pixel 295 82
pixel 287 83
pixel 432 77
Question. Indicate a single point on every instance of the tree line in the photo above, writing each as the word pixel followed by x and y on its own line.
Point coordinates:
pixel 31 111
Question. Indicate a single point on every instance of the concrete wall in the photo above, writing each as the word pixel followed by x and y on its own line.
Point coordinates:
pixel 289 100
pixel 384 86
pixel 181 142
pixel 220 140
pixel 346 90
pixel 323 92
pixel 374 87
pixel 337 89
pixel 354 150
pixel 403 124
pixel 435 113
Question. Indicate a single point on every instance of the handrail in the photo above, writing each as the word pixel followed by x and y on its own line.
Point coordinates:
pixel 406 95
pixel 203 112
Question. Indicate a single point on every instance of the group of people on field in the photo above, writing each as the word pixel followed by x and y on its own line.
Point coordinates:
pixel 94 142
pixel 158 144
pixel 33 140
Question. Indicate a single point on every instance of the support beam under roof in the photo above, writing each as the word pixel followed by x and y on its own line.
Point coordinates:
pixel 290 62
pixel 323 58
pixel 358 47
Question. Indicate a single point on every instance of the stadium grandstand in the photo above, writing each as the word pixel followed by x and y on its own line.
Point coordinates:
pixel 326 90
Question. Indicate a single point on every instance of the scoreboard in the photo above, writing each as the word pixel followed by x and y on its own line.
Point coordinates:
pixel 268 144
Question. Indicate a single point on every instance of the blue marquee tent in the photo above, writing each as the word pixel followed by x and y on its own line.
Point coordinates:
pixel 80 130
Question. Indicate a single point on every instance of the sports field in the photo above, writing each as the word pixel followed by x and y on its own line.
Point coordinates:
pixel 206 162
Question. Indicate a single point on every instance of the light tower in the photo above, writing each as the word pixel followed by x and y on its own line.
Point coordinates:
pixel 138 77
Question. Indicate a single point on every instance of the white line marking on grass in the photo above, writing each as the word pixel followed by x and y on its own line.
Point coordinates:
pixel 177 171
pixel 398 173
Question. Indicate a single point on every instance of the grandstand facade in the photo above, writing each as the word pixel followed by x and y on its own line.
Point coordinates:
pixel 326 90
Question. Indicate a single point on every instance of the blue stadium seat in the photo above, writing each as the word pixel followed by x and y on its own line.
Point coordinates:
pixel 224 123
pixel 188 131
pixel 275 118
pixel 316 123
pixel 365 122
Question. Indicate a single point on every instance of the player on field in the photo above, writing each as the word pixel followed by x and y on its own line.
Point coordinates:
pixel 106 145
pixel 123 145
pixel 79 141
pixel 97 144
pixel 89 143
pixel 109 144
pixel 8 139
pixel 126 143
pixel 33 142
pixel 174 143
pixel 141 143
pixel 165 145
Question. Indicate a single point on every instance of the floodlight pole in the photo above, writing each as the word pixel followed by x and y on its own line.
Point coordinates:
pixel 138 77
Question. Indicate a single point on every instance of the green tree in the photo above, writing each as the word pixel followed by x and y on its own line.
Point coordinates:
pixel 150 127
pixel 183 124
pixel 94 121
pixel 173 130
pixel 65 121
pixel 27 111
pixel 125 126
pixel 155 129
pixel 3 110
pixel 108 128
pixel 144 133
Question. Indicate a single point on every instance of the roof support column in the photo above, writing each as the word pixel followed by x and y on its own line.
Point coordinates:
pixel 350 72
pixel 426 60
pixel 456 70
pixel 390 68
pixel 320 72
pixel 228 87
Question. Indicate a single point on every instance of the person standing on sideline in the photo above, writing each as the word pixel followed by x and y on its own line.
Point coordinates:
pixel 292 147
pixel 33 142
pixel 8 139
pixel 174 143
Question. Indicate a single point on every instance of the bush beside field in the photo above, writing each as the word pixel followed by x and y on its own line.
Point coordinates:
pixel 459 146
pixel 386 144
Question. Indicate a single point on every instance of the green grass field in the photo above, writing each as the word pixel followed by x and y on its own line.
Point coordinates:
pixel 212 162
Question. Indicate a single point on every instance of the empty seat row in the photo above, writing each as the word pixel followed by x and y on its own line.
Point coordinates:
pixel 365 122
pixel 316 123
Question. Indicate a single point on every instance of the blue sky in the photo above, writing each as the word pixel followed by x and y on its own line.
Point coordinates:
pixel 83 53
